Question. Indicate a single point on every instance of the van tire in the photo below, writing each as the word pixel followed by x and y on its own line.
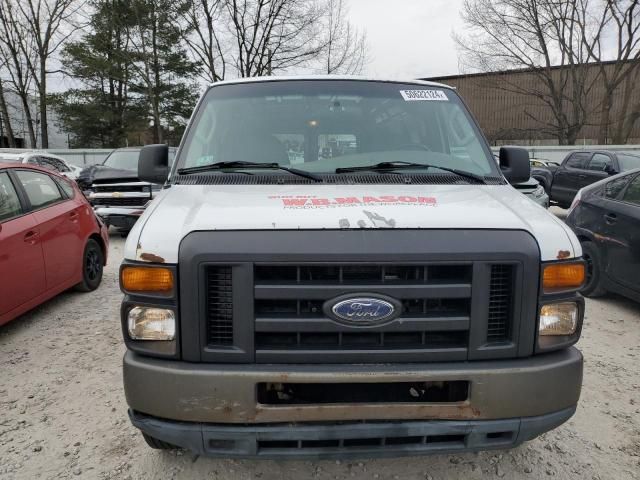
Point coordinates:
pixel 92 267
pixel 158 444
pixel 593 286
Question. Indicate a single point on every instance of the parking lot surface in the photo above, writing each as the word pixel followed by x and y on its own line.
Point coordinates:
pixel 63 412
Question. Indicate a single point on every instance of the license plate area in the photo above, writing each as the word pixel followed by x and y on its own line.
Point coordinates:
pixel 277 394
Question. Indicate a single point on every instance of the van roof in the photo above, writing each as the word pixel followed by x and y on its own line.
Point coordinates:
pixel 328 77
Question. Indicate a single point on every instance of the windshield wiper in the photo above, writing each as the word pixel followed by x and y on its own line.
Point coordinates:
pixel 389 166
pixel 238 165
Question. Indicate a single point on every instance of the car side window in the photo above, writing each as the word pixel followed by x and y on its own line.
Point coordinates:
pixel 600 162
pixel 578 160
pixel 40 188
pixel 66 187
pixel 613 188
pixel 632 195
pixel 57 164
pixel 9 202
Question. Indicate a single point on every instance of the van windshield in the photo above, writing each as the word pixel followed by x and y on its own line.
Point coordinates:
pixel 322 125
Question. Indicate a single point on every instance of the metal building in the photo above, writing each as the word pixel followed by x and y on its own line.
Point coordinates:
pixel 508 110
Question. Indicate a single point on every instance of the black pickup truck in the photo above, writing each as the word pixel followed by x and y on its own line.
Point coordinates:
pixel 584 167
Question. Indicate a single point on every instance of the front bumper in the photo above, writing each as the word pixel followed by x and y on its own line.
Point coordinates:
pixel 119 217
pixel 542 200
pixel 348 440
pixel 227 394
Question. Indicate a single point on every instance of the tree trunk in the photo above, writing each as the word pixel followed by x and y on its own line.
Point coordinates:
pixel 24 97
pixel 5 120
pixel 42 91
pixel 627 126
pixel 605 117
pixel 626 120
pixel 157 131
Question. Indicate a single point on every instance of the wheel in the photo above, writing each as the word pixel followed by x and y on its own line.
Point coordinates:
pixel 158 444
pixel 92 265
pixel 544 185
pixel 592 287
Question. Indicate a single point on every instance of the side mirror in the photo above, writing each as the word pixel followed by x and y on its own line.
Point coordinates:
pixel 514 163
pixel 153 164
pixel 611 170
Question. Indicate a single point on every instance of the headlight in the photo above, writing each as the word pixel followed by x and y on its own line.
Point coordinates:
pixel 147 323
pixel 558 319
pixel 539 191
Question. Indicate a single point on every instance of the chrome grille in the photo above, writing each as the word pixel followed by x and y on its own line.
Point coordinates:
pixel 120 201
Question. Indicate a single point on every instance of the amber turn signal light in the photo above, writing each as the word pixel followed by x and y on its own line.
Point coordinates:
pixel 563 276
pixel 147 279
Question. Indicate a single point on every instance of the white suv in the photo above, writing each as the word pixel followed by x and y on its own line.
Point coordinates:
pixel 43 159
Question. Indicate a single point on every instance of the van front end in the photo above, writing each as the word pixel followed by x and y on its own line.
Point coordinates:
pixel 260 365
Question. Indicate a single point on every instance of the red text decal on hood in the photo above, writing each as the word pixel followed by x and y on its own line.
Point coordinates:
pixel 311 201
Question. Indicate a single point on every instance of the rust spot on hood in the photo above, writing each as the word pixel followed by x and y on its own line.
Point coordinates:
pixel 562 254
pixel 151 257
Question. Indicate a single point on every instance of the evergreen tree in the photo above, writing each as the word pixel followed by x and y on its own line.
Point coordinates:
pixel 164 72
pixel 103 111
pixel 134 73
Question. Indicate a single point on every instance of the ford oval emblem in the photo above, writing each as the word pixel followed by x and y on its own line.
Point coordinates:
pixel 363 310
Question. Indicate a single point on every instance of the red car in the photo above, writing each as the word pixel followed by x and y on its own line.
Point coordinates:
pixel 50 239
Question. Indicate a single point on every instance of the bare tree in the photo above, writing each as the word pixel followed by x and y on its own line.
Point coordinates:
pixel 5 119
pixel 274 35
pixel 46 23
pixel 346 47
pixel 617 41
pixel 16 48
pixel 536 36
pixel 202 31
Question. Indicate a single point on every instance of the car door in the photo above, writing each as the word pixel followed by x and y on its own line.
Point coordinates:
pixel 58 218
pixel 599 167
pixel 622 220
pixel 22 275
pixel 565 180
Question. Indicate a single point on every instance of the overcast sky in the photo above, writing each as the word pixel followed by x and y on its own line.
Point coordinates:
pixel 409 38
pixel 406 38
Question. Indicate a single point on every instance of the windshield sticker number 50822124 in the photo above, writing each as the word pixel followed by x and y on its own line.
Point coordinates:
pixel 424 95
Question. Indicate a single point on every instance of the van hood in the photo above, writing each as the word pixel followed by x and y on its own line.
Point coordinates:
pixel 182 209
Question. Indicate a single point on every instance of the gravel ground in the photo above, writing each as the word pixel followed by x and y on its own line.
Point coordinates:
pixel 63 413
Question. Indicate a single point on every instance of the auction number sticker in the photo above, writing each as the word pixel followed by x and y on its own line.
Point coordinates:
pixel 424 95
